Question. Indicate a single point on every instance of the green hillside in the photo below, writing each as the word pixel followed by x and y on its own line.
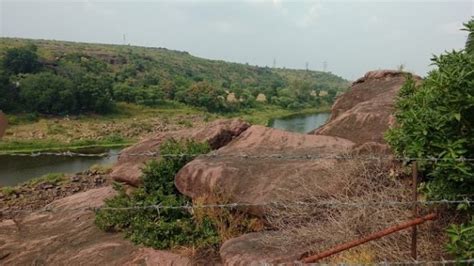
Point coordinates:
pixel 57 77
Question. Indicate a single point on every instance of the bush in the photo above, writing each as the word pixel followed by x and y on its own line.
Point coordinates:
pixel 436 120
pixel 204 94
pixel 164 228
pixel 461 239
pixel 21 60
pixel 47 93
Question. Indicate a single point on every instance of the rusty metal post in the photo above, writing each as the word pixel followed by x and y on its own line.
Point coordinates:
pixel 373 236
pixel 415 209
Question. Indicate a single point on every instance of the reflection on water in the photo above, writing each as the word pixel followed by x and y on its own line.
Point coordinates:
pixel 18 169
pixel 300 123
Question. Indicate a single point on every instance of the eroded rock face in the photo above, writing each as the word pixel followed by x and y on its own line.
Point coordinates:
pixel 68 236
pixel 280 160
pixel 217 133
pixel 364 113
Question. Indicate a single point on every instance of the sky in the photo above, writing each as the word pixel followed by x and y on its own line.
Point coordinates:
pixel 352 37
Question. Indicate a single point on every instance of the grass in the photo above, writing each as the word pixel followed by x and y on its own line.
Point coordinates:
pixel 51 145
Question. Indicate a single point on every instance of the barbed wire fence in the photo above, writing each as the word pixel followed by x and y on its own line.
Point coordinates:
pixel 275 156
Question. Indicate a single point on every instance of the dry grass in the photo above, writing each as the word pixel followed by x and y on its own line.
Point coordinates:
pixel 363 183
pixel 229 222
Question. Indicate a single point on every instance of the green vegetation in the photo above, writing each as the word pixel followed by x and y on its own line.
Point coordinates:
pixel 461 239
pixel 167 227
pixel 50 77
pixel 436 120
pixel 52 145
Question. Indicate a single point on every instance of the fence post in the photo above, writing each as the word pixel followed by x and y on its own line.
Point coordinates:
pixel 415 208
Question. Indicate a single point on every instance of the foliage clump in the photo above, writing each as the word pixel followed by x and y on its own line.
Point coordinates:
pixel 167 227
pixel 435 119
pixel 461 239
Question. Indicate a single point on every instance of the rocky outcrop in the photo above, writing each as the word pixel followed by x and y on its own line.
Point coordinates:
pixel 67 236
pixel 262 163
pixel 364 113
pixel 130 162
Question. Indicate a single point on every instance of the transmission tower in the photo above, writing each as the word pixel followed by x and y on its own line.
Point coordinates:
pixel 325 66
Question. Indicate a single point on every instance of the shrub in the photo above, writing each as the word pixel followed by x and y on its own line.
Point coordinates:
pixel 461 239
pixel 436 119
pixel 47 93
pixel 163 228
pixel 21 60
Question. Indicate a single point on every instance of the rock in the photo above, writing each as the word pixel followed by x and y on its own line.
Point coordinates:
pixel 67 236
pixel 237 174
pixel 217 133
pixel 251 249
pixel 75 178
pixel 364 113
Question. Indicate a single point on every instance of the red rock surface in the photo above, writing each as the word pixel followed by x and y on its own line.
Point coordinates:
pixel 67 236
pixel 364 113
pixel 217 133
pixel 256 180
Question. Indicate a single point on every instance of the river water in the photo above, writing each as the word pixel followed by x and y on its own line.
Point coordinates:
pixel 300 123
pixel 18 169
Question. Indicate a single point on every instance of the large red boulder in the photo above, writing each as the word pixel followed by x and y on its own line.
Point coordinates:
pixel 67 236
pixel 130 161
pixel 261 163
pixel 364 113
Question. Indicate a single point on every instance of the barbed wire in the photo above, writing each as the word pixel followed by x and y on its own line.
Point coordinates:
pixel 240 155
pixel 247 205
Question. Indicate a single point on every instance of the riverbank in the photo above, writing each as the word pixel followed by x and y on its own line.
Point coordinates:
pixel 130 123
pixel 16 201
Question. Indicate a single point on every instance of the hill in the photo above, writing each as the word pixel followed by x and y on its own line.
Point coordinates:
pixel 150 76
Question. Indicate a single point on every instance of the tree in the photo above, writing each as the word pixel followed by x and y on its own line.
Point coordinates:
pixel 469 26
pixel 436 120
pixel 47 93
pixel 8 93
pixel 94 93
pixel 21 60
pixel 204 94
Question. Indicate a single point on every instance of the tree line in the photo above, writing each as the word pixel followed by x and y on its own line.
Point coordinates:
pixel 78 82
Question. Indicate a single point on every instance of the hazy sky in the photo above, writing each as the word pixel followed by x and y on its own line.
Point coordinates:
pixel 351 36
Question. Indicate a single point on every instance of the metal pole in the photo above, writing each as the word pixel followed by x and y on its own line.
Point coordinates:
pixel 415 209
pixel 373 236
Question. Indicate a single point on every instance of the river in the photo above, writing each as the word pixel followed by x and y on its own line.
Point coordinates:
pixel 18 169
pixel 300 123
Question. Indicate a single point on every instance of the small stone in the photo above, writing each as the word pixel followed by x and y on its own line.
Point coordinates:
pixel 47 186
pixel 75 178
pixel 76 189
